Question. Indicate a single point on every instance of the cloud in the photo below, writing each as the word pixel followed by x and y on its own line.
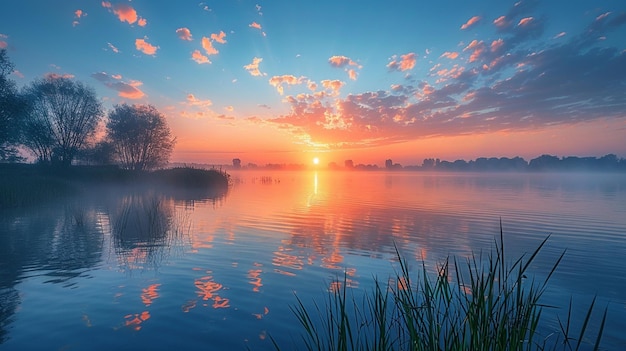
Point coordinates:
pixel 257 26
pixel 512 81
pixel 253 68
pixel 199 58
pixel 450 55
pixel 145 47
pixel 78 14
pixel 184 33
pixel 193 101
pixel 219 37
pixel 562 34
pixel 471 22
pixel 3 43
pixel 345 62
pixel 341 61
pixel 406 62
pixel 279 81
pixel 333 85
pixel 52 75
pixel 128 90
pixel 208 47
pixel 125 13
pixel 113 48
pixel 477 48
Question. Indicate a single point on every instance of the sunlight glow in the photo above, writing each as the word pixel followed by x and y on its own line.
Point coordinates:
pixel 316 161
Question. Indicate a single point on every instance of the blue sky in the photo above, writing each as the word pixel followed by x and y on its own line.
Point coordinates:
pixel 280 81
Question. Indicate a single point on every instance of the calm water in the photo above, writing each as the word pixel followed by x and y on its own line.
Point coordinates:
pixel 122 269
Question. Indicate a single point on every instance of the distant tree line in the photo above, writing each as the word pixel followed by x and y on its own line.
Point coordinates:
pixel 608 162
pixel 58 120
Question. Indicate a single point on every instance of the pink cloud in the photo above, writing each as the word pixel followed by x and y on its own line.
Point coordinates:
pixel 450 55
pixel 145 47
pixel 142 22
pixel 53 75
pixel 405 63
pixel 207 45
pixel 525 21
pixel 255 25
pixel 184 33
pixel 602 16
pixel 77 15
pixel 253 68
pixel 219 37
pixel 3 43
pixel 472 21
pixel 199 58
pixel 128 90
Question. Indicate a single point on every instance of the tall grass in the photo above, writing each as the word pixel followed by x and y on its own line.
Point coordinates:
pixel 487 303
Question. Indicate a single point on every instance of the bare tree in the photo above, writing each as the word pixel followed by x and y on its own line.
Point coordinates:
pixel 11 108
pixel 63 115
pixel 140 136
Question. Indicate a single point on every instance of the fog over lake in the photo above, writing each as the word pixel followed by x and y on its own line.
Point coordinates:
pixel 160 269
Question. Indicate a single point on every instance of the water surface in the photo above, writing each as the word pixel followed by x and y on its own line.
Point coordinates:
pixel 122 269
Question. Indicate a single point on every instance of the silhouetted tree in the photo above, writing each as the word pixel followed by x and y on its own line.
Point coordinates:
pixel 11 108
pixel 140 136
pixel 63 114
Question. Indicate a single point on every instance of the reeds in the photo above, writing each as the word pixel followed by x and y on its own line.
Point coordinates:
pixel 487 303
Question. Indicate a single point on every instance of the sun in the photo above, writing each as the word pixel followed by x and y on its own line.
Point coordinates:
pixel 316 161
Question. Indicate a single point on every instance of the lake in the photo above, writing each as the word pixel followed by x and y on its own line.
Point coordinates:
pixel 128 269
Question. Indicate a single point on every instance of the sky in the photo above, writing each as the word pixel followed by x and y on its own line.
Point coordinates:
pixel 284 81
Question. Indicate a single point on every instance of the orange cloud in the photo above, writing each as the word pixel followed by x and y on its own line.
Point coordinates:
pixel 278 81
pixel 406 62
pixel 477 48
pixel 333 85
pixel 128 90
pixel 199 58
pixel 193 101
pixel 77 15
pixel 219 37
pixel 207 45
pixel 450 55
pixel 472 21
pixel 352 74
pixel 255 25
pixel 145 47
pixel 253 68
pixel 496 45
pixel 341 61
pixel 501 22
pixel 184 33
pixel 125 13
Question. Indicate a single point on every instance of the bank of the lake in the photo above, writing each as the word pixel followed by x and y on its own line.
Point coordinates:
pixel 31 184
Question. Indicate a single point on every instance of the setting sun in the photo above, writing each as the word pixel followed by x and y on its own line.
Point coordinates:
pixel 316 161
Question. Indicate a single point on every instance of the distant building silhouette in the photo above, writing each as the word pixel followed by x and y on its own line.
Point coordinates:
pixel 348 164
pixel 388 164
pixel 236 163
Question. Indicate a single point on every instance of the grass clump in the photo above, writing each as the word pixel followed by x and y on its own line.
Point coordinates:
pixel 485 304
